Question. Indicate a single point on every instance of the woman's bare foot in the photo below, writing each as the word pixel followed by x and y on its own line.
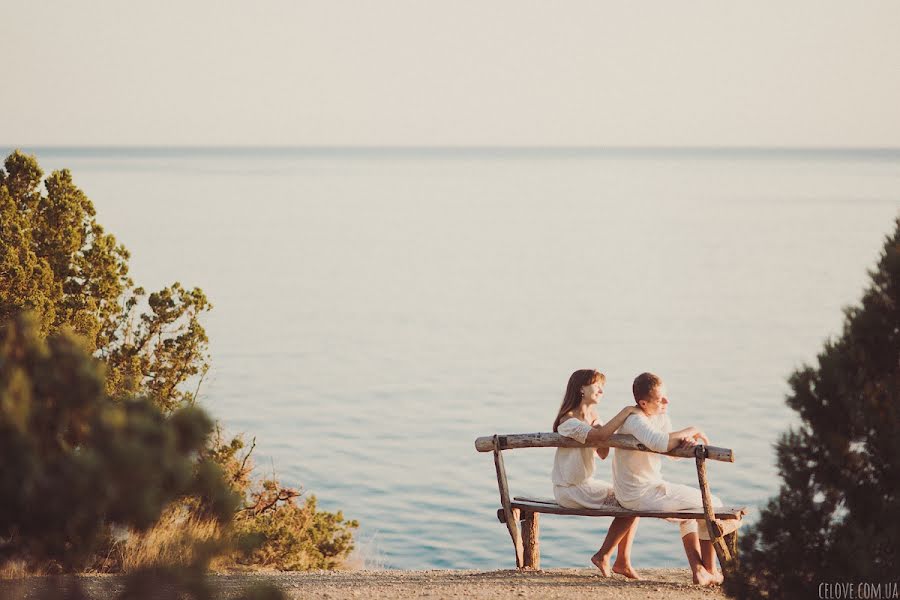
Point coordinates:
pixel 626 570
pixel 602 563
pixel 716 575
pixel 703 577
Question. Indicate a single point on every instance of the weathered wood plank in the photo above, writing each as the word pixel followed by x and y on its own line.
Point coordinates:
pixel 626 442
pixel 530 539
pixel 541 506
pixel 731 540
pixel 512 523
pixel 715 531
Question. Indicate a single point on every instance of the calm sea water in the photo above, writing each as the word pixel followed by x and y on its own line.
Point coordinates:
pixel 376 311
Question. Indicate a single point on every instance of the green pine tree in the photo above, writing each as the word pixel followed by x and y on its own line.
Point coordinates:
pixel 57 261
pixel 837 515
pixel 76 461
pixel 59 265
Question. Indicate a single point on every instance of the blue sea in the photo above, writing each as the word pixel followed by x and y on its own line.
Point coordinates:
pixel 377 309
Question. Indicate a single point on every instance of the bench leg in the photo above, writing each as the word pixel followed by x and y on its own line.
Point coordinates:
pixel 515 534
pixel 731 542
pixel 712 525
pixel 510 515
pixel 530 540
pixel 521 542
pixel 720 544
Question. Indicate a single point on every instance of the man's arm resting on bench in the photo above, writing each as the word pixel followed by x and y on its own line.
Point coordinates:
pixel 660 440
pixel 686 437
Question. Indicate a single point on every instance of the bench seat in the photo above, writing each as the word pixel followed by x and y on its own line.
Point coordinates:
pixel 544 505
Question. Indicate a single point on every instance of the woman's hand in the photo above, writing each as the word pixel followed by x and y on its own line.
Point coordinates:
pixel 602 433
pixel 629 410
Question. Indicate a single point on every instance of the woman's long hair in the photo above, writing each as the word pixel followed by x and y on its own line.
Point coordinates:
pixel 573 397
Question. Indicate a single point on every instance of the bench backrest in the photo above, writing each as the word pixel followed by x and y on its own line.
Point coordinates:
pixel 626 442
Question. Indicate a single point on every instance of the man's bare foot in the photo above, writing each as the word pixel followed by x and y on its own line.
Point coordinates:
pixel 625 570
pixel 602 563
pixel 702 576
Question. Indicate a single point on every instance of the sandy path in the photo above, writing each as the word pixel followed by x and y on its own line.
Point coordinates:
pixel 567 584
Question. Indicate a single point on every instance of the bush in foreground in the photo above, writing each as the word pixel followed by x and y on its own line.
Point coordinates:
pixel 272 529
pixel 77 463
pixel 58 262
pixel 837 515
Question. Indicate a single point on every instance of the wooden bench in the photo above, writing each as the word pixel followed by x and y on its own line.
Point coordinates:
pixel 526 510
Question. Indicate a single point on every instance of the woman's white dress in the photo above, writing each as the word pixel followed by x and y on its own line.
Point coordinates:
pixel 573 470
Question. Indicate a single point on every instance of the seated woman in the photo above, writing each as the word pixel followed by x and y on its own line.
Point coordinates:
pixel 573 468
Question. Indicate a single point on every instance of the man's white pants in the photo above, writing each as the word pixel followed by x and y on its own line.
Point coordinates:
pixel 667 497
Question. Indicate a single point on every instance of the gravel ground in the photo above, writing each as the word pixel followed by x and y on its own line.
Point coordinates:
pixel 565 584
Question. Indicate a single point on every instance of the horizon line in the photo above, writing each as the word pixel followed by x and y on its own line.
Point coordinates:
pixel 404 147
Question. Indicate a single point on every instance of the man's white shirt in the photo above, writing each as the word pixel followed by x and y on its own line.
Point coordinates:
pixel 635 472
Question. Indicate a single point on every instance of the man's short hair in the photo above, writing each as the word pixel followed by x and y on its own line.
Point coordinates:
pixel 643 385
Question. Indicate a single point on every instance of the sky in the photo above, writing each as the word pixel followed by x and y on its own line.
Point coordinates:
pixel 451 73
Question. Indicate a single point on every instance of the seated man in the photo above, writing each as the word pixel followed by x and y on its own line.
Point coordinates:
pixel 638 481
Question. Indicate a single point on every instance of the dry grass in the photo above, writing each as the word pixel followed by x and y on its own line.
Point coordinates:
pixel 174 540
pixel 16 569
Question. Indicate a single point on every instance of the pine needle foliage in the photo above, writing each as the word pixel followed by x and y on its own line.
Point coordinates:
pixel 837 515
pixel 278 527
pixel 112 444
pixel 76 462
pixel 58 262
